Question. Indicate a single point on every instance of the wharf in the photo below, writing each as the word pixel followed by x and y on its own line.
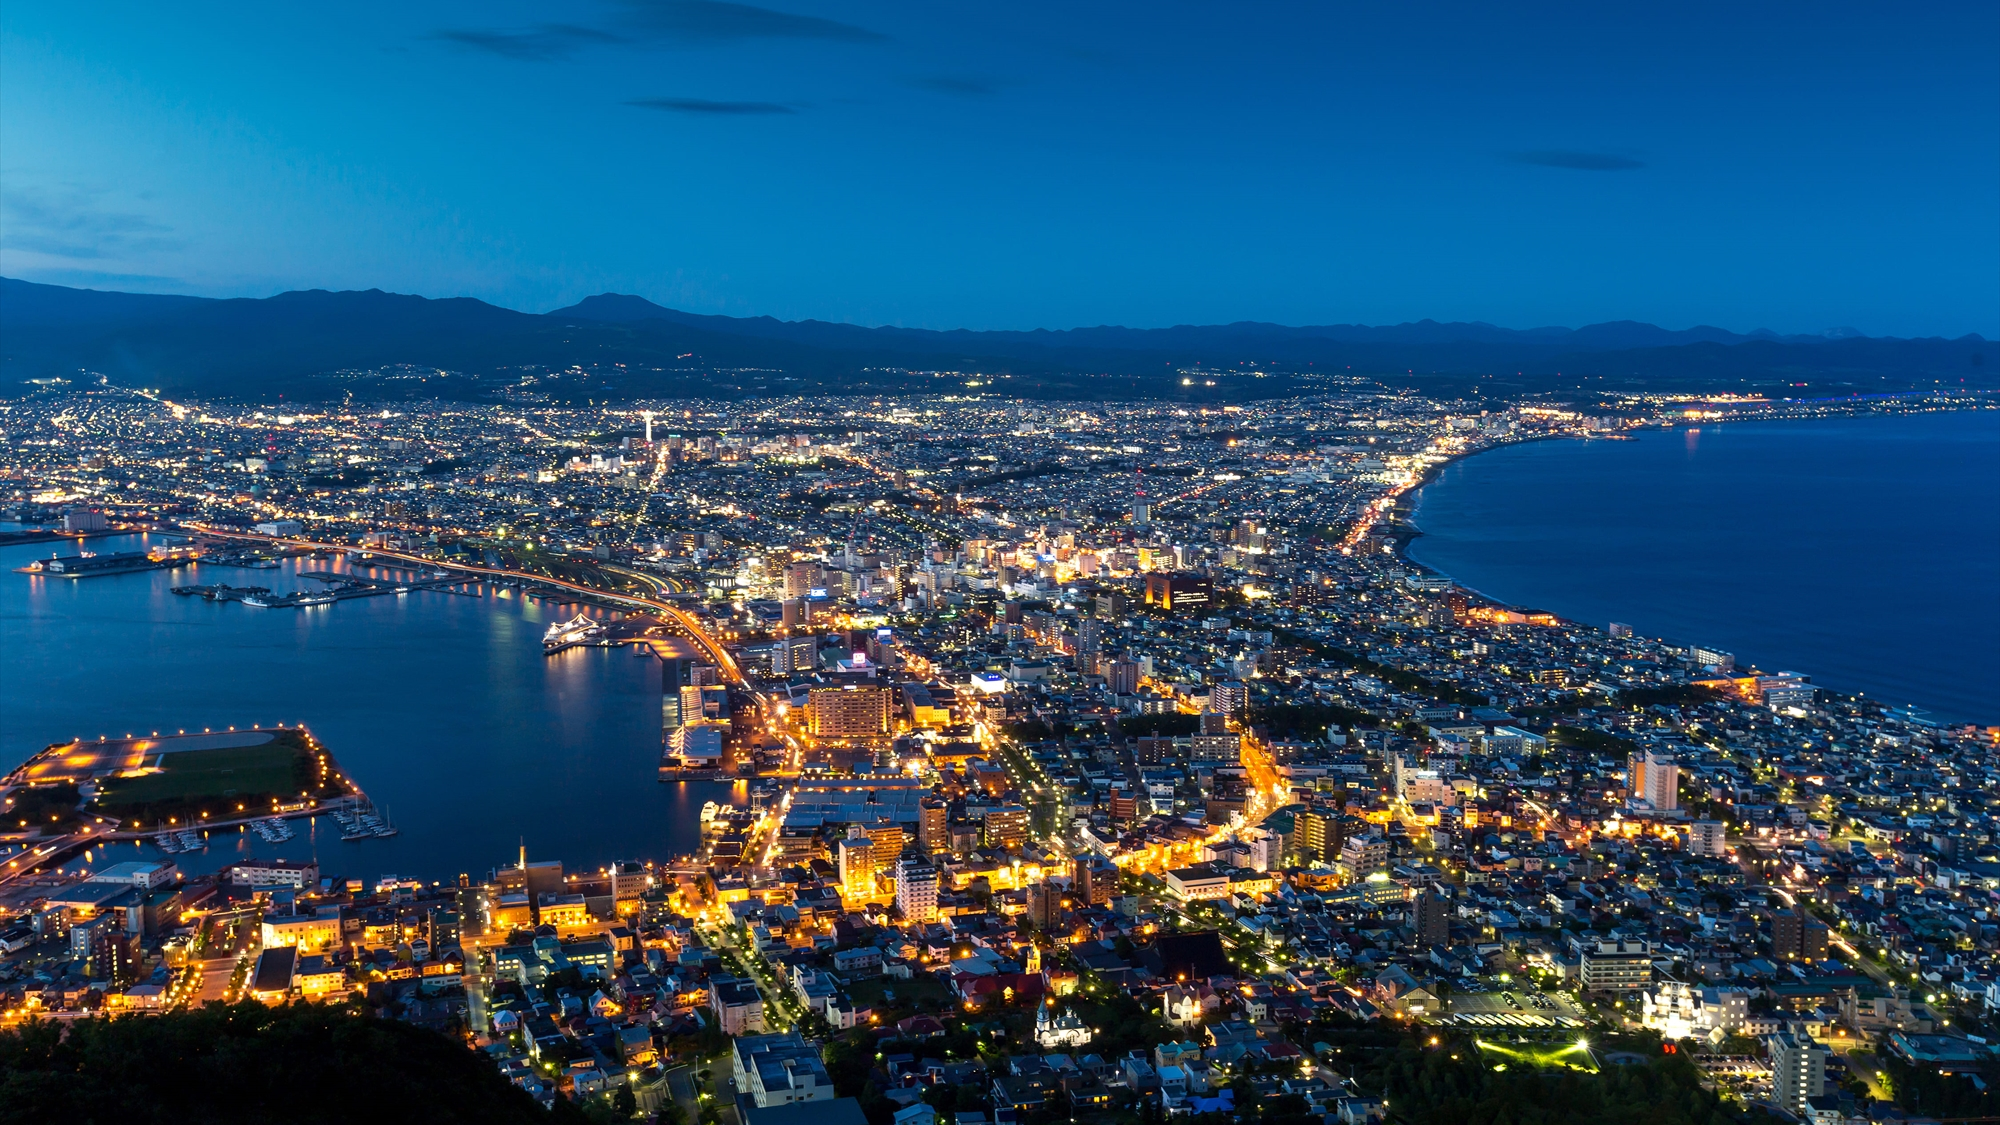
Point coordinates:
pixel 339 587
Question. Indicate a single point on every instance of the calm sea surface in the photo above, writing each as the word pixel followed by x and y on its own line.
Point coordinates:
pixel 441 706
pixel 1863 552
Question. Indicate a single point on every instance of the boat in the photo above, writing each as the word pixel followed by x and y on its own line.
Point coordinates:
pixel 577 630
pixel 192 841
pixel 355 835
pixel 166 843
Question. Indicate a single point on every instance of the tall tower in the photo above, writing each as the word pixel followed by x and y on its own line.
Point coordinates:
pixel 1142 512
pixel 648 416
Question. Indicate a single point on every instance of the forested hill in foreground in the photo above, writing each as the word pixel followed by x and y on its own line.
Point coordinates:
pixel 318 344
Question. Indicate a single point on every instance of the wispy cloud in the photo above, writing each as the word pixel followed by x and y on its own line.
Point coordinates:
pixel 658 21
pixel 90 279
pixel 537 44
pixel 954 84
pixel 75 224
pixel 703 105
pixel 718 19
pixel 1581 161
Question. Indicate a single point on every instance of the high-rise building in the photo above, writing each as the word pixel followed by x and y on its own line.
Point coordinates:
pixel 857 865
pixel 887 836
pixel 1045 907
pixel 1707 838
pixel 1230 697
pixel 1655 778
pixel 1798 1070
pixel 916 890
pixel 1092 879
pixel 1798 936
pixel 800 578
pixel 1088 636
pixel 931 835
pixel 1432 919
pixel 1122 677
pixel 1312 836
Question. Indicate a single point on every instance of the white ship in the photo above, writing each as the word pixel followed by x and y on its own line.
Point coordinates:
pixel 577 630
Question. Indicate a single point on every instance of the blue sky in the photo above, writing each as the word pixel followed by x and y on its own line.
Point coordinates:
pixel 1797 167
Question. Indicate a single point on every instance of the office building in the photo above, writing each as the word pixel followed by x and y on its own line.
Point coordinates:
pixel 850 711
pixel 1179 590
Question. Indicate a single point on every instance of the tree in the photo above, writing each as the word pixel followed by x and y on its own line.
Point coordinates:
pixel 312 1064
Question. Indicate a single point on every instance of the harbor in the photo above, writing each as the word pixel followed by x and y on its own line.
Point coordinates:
pixel 444 708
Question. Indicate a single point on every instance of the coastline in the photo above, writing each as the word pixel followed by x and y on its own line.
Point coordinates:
pixel 1680 612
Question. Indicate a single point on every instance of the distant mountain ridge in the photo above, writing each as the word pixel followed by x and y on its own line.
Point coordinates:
pixel 624 308
pixel 288 343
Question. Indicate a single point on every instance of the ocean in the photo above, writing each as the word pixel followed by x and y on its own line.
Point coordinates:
pixel 1863 552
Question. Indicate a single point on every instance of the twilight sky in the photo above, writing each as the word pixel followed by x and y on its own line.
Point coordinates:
pixel 943 164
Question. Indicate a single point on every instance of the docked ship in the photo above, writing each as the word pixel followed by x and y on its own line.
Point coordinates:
pixel 579 630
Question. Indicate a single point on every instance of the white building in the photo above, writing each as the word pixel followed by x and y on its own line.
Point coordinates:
pixel 1065 1030
pixel 1707 838
pixel 1798 1069
pixel 779 1070
pixel 1654 778
pixel 916 890
pixel 1682 1011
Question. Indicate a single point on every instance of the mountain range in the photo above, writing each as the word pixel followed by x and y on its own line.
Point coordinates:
pixel 316 343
